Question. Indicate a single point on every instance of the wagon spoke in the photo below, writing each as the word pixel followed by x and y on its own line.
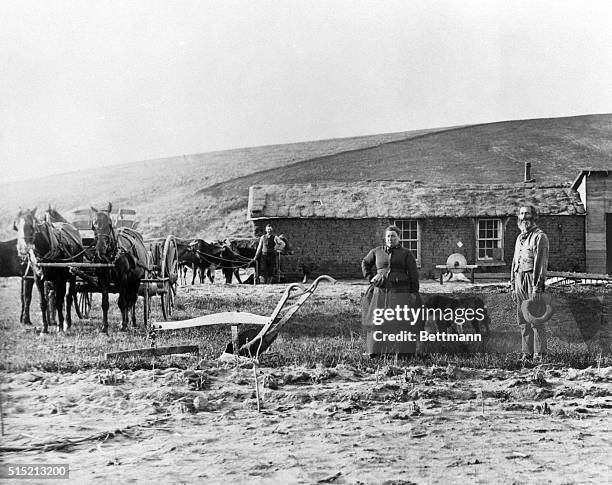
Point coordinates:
pixel 169 274
pixel 83 306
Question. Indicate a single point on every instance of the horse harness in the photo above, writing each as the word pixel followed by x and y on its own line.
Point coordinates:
pixel 117 250
pixel 61 245
pixel 29 260
pixel 208 257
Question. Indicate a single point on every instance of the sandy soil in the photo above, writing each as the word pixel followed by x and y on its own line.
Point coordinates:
pixel 386 425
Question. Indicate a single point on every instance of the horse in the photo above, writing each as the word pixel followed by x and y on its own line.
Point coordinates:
pixel 201 273
pixel 16 261
pixel 202 256
pixel 219 254
pixel 182 271
pixel 52 215
pixel 11 264
pixel 188 257
pixel 50 242
pixel 242 254
pixel 125 249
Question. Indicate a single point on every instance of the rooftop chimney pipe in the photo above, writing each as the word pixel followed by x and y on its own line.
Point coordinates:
pixel 528 178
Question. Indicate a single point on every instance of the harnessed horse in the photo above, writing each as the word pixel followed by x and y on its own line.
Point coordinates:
pixel 242 255
pixel 49 242
pixel 12 264
pixel 210 256
pixel 126 250
pixel 51 215
pixel 189 257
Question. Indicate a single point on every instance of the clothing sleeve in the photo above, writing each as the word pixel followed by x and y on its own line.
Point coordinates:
pixel 368 265
pixel 540 261
pixel 413 273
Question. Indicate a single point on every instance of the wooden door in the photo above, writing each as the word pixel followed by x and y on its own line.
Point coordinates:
pixel 609 243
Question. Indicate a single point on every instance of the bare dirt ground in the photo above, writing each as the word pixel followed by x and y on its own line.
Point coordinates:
pixel 341 425
pixel 412 425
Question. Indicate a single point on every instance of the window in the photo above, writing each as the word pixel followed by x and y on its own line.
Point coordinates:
pixel 489 237
pixel 410 236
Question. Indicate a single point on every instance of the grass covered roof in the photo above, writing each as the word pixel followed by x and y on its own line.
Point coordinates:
pixel 406 199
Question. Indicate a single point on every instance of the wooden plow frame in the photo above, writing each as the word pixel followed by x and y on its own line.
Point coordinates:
pixel 270 325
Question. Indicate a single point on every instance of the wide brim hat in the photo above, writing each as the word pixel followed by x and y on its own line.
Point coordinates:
pixel 537 310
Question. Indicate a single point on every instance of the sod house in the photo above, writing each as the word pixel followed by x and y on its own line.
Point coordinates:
pixel 332 226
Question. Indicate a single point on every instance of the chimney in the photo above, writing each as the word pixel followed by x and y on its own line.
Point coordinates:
pixel 528 178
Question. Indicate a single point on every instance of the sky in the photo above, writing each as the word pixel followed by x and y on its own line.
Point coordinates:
pixel 90 83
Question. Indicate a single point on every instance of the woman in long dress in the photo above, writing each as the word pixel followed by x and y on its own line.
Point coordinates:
pixel 394 286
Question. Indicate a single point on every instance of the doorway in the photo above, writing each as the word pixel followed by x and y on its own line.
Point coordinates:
pixel 609 243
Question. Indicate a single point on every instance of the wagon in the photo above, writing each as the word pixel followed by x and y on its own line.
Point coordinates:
pixel 81 219
pixel 161 273
pixel 162 276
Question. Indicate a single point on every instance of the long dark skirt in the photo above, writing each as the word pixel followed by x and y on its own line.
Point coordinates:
pixel 386 334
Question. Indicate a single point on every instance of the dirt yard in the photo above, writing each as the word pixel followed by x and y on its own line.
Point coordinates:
pixel 409 425
pixel 343 425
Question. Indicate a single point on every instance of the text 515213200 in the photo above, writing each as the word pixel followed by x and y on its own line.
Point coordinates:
pixel 34 470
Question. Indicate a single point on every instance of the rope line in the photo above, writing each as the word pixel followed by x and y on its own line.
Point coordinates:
pixel 219 258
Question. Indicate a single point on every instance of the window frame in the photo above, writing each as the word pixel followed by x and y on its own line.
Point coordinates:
pixel 400 224
pixel 500 239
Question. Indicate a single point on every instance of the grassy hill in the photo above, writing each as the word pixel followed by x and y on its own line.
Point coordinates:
pixel 206 195
pixel 163 191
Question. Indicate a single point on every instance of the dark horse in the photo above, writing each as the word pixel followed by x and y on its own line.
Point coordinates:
pixel 189 257
pixel 46 242
pixel 11 264
pixel 126 250
pixel 215 255
pixel 52 215
pixel 242 252
pixel 16 260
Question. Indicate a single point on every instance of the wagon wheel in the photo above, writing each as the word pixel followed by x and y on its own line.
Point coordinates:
pixel 146 299
pixel 83 304
pixel 169 274
pixel 146 305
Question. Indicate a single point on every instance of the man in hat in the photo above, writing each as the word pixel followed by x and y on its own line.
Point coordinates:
pixel 527 279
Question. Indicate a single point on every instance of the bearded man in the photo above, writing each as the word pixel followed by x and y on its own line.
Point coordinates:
pixel 527 279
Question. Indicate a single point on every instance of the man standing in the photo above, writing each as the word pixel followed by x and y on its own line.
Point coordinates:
pixel 528 277
pixel 267 250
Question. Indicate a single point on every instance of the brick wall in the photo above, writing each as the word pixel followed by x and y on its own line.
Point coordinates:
pixel 567 244
pixel 439 238
pixel 330 246
pixel 337 246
